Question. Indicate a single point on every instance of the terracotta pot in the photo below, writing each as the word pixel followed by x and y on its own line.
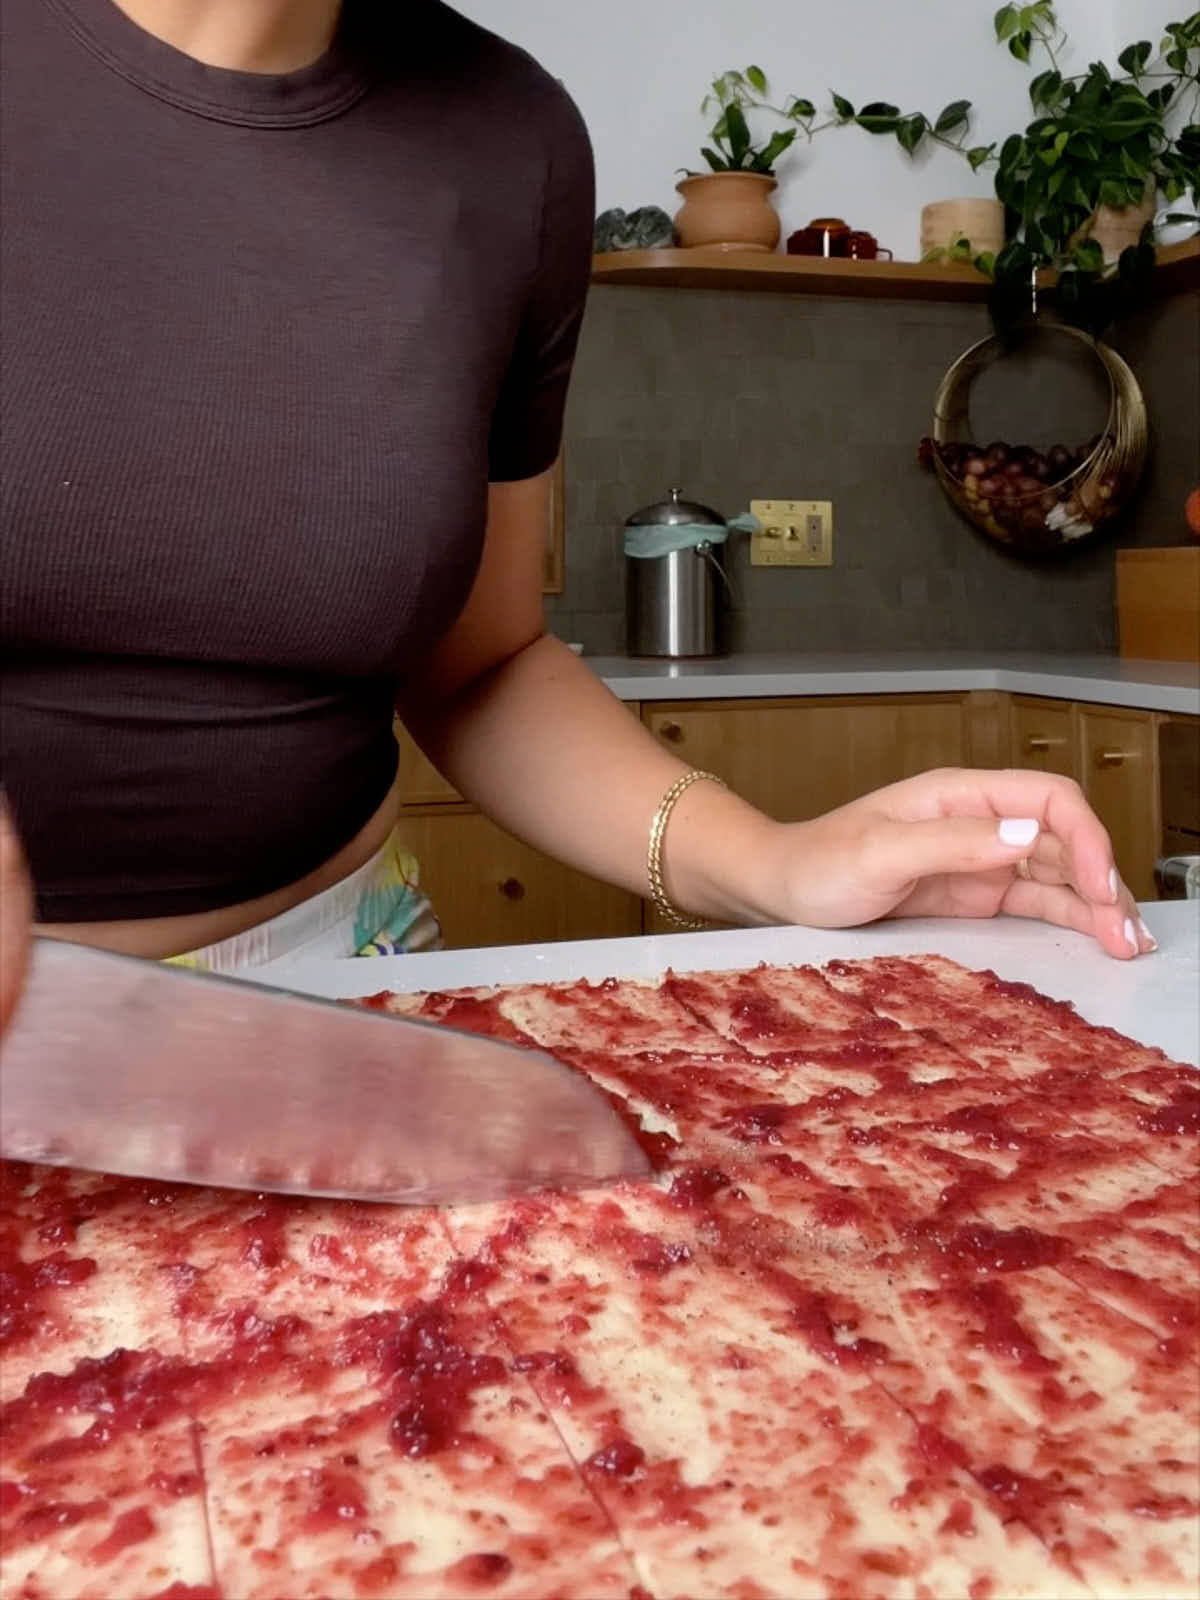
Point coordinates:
pixel 727 211
pixel 979 220
pixel 1116 228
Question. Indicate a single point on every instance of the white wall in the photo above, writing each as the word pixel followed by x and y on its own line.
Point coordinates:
pixel 1146 19
pixel 639 69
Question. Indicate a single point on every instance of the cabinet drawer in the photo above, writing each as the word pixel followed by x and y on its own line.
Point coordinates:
pixel 1044 736
pixel 490 889
pixel 796 759
pixel 1120 780
pixel 420 781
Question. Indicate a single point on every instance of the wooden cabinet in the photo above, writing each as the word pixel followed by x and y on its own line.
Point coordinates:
pixel 1179 785
pixel 988 734
pixel 794 758
pixel 420 781
pixel 797 758
pixel 488 888
pixel 1112 753
pixel 1119 761
pixel 1045 736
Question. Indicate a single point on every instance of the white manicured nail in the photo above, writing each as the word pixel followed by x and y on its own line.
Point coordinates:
pixel 1018 830
pixel 1131 938
pixel 1147 935
pixel 1114 882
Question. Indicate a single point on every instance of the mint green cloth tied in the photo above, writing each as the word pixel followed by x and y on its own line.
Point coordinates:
pixel 647 539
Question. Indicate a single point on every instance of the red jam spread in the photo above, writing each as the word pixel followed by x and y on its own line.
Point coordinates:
pixel 898 1208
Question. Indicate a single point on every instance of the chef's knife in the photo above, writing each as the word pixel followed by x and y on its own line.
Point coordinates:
pixel 146 1070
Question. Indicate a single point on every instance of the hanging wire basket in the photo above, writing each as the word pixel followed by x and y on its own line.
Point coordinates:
pixel 1033 503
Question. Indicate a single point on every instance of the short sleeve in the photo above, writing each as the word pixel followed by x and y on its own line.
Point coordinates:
pixel 526 431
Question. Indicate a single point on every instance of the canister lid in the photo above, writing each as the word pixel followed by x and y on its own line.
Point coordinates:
pixel 674 511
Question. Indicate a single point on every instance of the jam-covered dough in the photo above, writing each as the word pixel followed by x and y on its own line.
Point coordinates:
pixel 909 1310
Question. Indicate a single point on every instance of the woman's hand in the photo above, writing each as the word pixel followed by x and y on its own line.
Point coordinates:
pixel 964 844
pixel 16 915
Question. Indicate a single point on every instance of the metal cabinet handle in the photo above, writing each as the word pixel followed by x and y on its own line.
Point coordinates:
pixel 1114 758
pixel 1039 741
pixel 512 889
pixel 671 732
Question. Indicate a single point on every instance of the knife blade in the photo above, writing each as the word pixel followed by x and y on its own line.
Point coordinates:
pixel 145 1070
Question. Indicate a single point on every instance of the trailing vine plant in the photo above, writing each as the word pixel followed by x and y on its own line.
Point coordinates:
pixel 1096 138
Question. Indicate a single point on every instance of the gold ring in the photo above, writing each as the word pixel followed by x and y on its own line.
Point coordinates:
pixel 1023 869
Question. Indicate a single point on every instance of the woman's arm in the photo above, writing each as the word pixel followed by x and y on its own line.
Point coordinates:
pixel 16 915
pixel 529 734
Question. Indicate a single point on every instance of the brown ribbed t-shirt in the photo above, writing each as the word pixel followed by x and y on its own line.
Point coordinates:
pixel 265 341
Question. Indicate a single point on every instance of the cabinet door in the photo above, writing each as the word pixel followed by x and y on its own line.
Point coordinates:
pixel 420 781
pixel 796 759
pixel 1179 782
pixel 989 728
pixel 1045 736
pixel 1120 778
pixel 488 889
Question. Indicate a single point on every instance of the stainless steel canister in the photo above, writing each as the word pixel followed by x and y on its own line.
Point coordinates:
pixel 676 603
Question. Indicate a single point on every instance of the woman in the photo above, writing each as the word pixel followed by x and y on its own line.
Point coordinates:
pixel 292 292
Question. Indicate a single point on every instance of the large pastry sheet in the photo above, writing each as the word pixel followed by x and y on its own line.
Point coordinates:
pixel 1153 999
pixel 905 1317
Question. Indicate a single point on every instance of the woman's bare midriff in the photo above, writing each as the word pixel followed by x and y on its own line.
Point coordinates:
pixel 156 937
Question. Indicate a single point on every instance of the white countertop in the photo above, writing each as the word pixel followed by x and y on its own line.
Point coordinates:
pixel 1101 680
pixel 1155 999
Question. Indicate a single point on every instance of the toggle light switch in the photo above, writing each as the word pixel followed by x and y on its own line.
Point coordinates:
pixel 794 533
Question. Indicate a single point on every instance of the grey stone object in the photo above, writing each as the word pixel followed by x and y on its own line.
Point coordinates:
pixel 647 228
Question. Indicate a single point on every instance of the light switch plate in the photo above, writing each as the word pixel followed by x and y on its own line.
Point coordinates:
pixel 794 533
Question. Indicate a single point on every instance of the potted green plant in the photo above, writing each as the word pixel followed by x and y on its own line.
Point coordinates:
pixel 1080 183
pixel 967 229
pixel 728 207
pixel 737 92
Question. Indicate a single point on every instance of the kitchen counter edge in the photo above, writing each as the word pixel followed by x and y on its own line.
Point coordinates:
pixel 1164 686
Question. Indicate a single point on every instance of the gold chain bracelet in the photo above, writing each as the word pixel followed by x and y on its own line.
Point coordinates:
pixel 658 829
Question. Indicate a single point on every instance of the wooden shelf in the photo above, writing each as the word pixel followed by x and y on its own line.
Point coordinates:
pixel 1179 266
pixel 702 268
